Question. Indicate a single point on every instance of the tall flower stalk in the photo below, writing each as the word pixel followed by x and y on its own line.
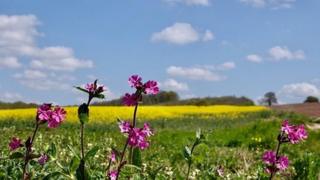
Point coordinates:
pixel 289 134
pixel 136 137
pixel 94 91
pixel 46 113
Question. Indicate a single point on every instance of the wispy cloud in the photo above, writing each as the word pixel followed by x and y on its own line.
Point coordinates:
pixel 190 2
pixel 273 4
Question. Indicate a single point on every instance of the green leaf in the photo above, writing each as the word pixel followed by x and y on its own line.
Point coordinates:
pixel 52 151
pixel 52 175
pixel 187 153
pixel 91 153
pixel 73 165
pixel 16 155
pixel 81 89
pixel 99 96
pixel 136 157
pixel 74 152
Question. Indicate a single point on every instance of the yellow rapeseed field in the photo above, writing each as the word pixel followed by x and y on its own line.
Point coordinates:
pixel 112 113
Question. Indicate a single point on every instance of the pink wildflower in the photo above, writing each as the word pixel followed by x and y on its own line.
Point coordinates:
pixel 43 159
pixel 146 129
pixel 282 163
pixel 94 88
pixel 269 157
pixel 135 81
pixel 58 115
pixel 151 87
pixel 44 112
pixel 113 175
pixel 15 143
pixel 130 100
pixel 124 126
pixel 295 133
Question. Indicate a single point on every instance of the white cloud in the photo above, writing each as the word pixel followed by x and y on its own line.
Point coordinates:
pixel 299 90
pixel 283 53
pixel 38 80
pixel 208 35
pixel 191 2
pixel 58 58
pixel 31 74
pixel 254 58
pixel 9 62
pixel 10 97
pixel 171 84
pixel 181 33
pixel 255 3
pixel 18 35
pixel 273 4
pixel 227 66
pixel 195 73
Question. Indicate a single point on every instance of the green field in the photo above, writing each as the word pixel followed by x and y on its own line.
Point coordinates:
pixel 234 145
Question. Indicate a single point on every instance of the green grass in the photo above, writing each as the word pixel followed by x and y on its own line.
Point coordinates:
pixel 230 143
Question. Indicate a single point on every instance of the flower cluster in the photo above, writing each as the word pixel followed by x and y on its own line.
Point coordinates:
pixel 135 81
pixel 53 115
pixel 43 159
pixel 273 163
pixel 137 137
pixel 94 88
pixel 294 134
pixel 289 133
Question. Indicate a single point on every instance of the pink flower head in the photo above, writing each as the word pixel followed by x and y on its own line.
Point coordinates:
pixel 54 117
pixel 94 88
pixel 151 87
pixel 90 87
pixel 295 134
pixel 269 157
pixel 282 163
pixel 124 126
pixel 301 132
pixel 130 100
pixel 135 81
pixel 43 159
pixel 286 128
pixel 113 156
pixel 146 129
pixel 58 115
pixel 15 143
pixel 44 112
pixel 137 138
pixel 113 175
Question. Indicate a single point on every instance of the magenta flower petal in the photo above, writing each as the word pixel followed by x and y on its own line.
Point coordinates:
pixel 130 100
pixel 43 159
pixel 124 126
pixel 113 175
pixel 269 157
pixel 135 81
pixel 151 87
pixel 282 163
pixel 15 143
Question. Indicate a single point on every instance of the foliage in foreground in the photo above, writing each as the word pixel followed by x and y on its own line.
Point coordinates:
pixel 228 148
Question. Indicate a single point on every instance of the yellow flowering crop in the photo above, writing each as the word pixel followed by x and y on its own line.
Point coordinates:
pixel 111 113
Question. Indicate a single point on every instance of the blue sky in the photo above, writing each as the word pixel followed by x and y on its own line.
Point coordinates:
pixel 195 47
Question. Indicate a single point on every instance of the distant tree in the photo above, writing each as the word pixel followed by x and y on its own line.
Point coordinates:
pixel 311 99
pixel 269 98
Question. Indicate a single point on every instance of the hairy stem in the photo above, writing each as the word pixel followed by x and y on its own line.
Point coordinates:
pixel 273 172
pixel 134 123
pixel 28 151
pixel 121 159
pixel 190 162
